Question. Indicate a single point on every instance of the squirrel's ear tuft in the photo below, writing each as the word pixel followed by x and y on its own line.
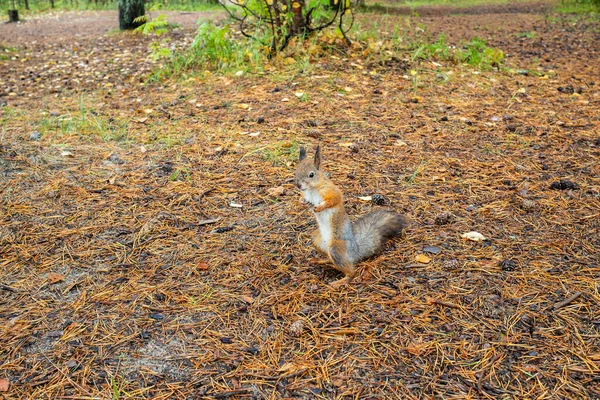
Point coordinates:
pixel 302 153
pixel 318 157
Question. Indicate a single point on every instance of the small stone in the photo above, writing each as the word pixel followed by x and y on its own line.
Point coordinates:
pixel 72 365
pixel 226 340
pixel 260 120
pixel 35 135
pixel 157 316
pixel 432 249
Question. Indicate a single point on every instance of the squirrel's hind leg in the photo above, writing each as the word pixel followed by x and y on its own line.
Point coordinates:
pixel 337 254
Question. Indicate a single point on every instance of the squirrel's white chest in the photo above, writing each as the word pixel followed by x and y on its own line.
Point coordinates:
pixel 324 222
pixel 323 218
pixel 312 196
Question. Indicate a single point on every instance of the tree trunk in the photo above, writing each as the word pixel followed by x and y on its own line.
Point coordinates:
pixel 128 11
pixel 51 3
pixel 13 15
pixel 27 4
pixel 298 21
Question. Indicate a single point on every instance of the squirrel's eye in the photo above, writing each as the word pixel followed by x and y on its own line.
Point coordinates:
pixel 311 174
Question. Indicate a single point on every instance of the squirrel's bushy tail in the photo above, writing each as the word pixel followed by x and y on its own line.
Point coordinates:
pixel 374 229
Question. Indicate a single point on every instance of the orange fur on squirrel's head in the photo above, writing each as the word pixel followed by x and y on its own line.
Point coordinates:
pixel 308 173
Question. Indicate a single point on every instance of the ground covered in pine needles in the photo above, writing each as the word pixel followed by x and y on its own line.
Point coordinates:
pixel 153 245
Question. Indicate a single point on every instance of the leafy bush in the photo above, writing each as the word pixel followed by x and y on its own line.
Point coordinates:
pixel 215 48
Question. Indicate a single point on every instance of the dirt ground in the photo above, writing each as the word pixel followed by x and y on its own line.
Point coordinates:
pixel 152 243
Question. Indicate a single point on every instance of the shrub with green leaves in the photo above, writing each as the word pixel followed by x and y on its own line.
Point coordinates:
pixel 157 27
pixel 215 48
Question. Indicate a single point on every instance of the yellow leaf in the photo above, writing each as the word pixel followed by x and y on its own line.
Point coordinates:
pixel 416 349
pixel 55 278
pixel 423 259
pixel 295 4
pixel 202 266
pixel 247 299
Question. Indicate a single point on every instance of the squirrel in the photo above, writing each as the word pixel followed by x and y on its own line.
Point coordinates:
pixel 345 243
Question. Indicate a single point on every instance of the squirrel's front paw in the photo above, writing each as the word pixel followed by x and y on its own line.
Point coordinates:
pixel 319 208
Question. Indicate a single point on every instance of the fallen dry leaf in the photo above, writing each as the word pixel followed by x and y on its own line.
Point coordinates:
pixel 474 236
pixel 202 266
pixel 247 299
pixel 423 259
pixel 55 278
pixel 416 349
pixel 276 191
pixel 4 384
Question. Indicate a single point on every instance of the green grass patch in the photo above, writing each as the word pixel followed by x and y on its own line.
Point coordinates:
pixel 451 3
pixel 86 124
pixel 281 153
pixel 578 7
pixel 475 53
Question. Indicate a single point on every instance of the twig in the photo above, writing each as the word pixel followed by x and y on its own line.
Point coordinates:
pixel 8 288
pixel 441 303
pixel 568 301
pixel 205 193
pixel 208 221
pixel 230 393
